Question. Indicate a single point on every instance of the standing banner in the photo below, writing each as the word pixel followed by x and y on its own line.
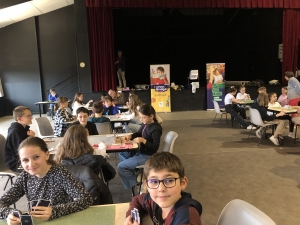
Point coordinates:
pixel 160 87
pixel 215 88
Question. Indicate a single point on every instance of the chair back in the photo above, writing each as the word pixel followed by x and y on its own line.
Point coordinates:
pixel 217 107
pixel 3 166
pixel 169 141
pixel 239 212
pixel 92 183
pixel 44 127
pixel 103 128
pixel 255 117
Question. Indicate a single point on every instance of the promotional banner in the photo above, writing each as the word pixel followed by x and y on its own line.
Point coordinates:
pixel 160 87
pixel 215 76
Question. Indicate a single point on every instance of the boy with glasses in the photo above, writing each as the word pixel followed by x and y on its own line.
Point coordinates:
pixel 17 132
pixel 165 202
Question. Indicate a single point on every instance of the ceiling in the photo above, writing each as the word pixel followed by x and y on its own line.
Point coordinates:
pixel 19 12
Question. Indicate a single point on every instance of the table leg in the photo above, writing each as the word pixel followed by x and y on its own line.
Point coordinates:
pixel 40 110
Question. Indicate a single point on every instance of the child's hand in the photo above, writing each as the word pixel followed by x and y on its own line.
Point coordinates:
pixel 12 220
pixel 41 212
pixel 127 138
pixel 30 133
pixel 282 113
pixel 128 221
pixel 140 140
pixel 90 101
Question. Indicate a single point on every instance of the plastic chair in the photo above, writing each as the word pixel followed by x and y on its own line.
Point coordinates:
pixel 255 118
pixel 169 140
pixel 103 128
pixel 239 212
pixel 44 127
pixel 168 145
pixel 220 112
pixel 4 170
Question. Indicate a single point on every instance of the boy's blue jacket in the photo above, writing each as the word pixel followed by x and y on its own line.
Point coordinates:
pixel 186 210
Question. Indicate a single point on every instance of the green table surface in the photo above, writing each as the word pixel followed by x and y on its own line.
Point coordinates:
pixel 103 215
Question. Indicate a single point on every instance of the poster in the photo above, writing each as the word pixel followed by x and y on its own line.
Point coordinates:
pixel 215 76
pixel 160 87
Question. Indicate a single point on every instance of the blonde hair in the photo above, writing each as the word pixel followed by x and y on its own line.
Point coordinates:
pixel 263 99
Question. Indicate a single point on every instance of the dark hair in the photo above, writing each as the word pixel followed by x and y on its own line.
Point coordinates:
pixel 38 142
pixel 62 99
pixel 74 144
pixel 83 110
pixel 285 87
pixel 51 90
pixel 107 98
pixel 270 95
pixel 120 51
pixel 160 68
pixel 289 74
pixel 148 110
pixel 262 99
pixel 19 112
pixel 164 160
pixel 97 107
pixel 76 98
pixel 231 89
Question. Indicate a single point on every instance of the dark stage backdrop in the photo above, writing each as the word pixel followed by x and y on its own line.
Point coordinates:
pixel 245 39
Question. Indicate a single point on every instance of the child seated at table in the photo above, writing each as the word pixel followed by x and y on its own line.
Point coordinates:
pixel 62 117
pixel 52 97
pixel 109 109
pixel 242 94
pixel 77 102
pixel 283 100
pixel 272 103
pixel 17 132
pixel 75 149
pixel 262 106
pixel 98 117
pixel 148 138
pixel 238 113
pixel 165 202
pixel 82 119
pixel 43 179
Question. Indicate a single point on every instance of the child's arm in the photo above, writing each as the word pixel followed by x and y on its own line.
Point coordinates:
pixel 235 100
pixel 137 202
pixel 115 110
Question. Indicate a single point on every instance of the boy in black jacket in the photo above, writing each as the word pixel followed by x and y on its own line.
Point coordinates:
pixel 17 132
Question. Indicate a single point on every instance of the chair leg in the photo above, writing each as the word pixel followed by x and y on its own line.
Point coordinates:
pixel 264 131
pixel 220 120
pixel 214 119
pixel 249 133
pixel 295 134
pixel 6 183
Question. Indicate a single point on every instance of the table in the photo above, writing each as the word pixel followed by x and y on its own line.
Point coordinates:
pixel 292 109
pixel 96 139
pixel 43 103
pixel 246 102
pixel 113 214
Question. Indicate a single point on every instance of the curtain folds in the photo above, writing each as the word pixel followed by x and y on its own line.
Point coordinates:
pixel 289 4
pixel 101 43
pixel 290 40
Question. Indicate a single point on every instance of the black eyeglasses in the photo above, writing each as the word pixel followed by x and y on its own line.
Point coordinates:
pixel 168 182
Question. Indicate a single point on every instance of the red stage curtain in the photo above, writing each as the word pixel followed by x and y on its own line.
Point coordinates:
pixel 101 30
pixel 290 40
pixel 101 42
pixel 291 4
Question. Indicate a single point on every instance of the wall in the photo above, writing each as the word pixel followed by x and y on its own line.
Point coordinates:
pixel 36 54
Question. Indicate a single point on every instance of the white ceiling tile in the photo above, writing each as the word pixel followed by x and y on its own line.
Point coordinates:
pixel 46 6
